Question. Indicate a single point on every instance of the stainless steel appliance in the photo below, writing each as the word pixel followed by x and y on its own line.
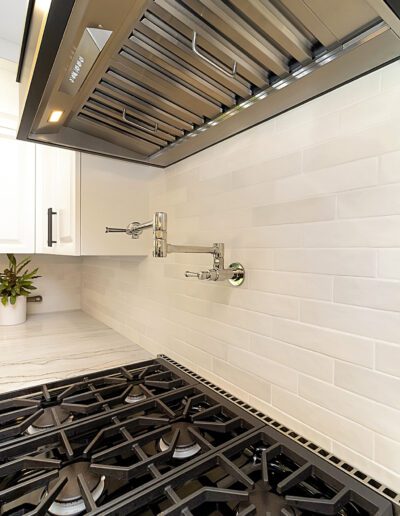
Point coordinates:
pixel 155 81
pixel 153 438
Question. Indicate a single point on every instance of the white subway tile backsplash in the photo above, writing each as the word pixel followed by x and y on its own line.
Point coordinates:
pixel 370 111
pixel 381 200
pixel 338 178
pixel 386 476
pixel 268 170
pixel 371 141
pixel 309 203
pixel 343 346
pixel 327 420
pixel 230 334
pixel 197 356
pixel 264 302
pixel 374 385
pixel 215 347
pixel 307 132
pixel 308 210
pixel 341 262
pixel 374 416
pixel 388 358
pixel 339 99
pixel 387 453
pixel 269 237
pixel 308 362
pixel 389 263
pixel 372 232
pixel 390 167
pixel 366 322
pixel 292 284
pixel 390 76
pixel 295 424
pixel 373 293
pixel 255 258
pixel 271 371
pixel 253 385
pixel 246 319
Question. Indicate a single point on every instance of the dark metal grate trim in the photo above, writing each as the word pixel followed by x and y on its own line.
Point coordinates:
pixel 365 479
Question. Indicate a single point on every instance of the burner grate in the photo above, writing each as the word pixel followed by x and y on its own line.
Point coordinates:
pixel 58 404
pixel 365 479
pixel 248 477
pixel 131 448
pixel 174 425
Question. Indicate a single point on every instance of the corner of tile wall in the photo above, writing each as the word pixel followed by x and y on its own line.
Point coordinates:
pixel 310 203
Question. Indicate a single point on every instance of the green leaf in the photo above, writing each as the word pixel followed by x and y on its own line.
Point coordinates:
pixel 23 264
pixel 12 259
pixel 4 300
pixel 30 275
pixel 13 283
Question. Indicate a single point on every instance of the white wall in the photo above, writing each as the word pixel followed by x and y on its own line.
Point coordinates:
pixel 310 203
pixel 12 21
pixel 60 284
pixel 9 50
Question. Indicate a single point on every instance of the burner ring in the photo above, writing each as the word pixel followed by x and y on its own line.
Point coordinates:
pixel 69 501
pixel 46 421
pixel 186 446
pixel 74 507
pixel 135 395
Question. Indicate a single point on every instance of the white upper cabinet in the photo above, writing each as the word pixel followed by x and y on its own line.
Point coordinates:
pixel 17 172
pixel 78 195
pixel 57 201
pixel 113 193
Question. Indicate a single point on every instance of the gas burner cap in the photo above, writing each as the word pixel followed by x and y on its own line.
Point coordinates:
pixel 46 421
pixel 69 501
pixel 135 395
pixel 186 445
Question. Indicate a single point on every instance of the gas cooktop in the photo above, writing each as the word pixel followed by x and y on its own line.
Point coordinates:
pixel 153 438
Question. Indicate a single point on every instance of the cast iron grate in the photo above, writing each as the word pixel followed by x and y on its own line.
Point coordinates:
pixel 58 404
pixel 390 494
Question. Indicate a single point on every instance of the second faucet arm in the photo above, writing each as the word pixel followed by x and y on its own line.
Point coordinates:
pixel 191 249
pixel 144 225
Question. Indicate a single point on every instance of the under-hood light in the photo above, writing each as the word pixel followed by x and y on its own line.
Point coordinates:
pixel 261 95
pixel 281 84
pixel 43 5
pixel 55 116
pixel 302 72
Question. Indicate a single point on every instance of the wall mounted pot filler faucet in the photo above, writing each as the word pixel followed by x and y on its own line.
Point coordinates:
pixel 235 273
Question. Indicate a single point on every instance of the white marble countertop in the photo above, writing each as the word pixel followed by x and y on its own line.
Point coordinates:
pixel 60 345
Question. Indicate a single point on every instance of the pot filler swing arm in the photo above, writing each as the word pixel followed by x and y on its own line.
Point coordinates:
pixel 161 248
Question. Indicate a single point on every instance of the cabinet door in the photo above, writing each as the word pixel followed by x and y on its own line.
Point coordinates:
pixel 57 201
pixel 114 193
pixel 17 186
pixel 17 172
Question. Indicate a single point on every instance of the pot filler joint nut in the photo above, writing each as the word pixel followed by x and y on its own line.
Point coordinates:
pixel 235 273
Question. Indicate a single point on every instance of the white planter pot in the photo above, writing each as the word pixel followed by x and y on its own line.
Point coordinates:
pixel 13 314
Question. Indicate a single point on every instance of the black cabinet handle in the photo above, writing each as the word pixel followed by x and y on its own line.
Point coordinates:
pixel 50 240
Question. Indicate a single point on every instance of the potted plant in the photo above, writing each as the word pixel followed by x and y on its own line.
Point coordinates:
pixel 16 284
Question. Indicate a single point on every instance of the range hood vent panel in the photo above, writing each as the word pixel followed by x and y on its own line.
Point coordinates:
pixel 167 78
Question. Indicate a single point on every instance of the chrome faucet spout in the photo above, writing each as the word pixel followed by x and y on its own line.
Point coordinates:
pixel 161 248
pixel 190 249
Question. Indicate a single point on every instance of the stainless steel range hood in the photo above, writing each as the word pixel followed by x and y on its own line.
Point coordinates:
pixel 155 81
